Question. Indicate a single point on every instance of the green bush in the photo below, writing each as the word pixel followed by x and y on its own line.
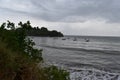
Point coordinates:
pixel 53 73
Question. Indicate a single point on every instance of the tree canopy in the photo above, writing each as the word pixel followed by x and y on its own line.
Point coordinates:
pixel 43 32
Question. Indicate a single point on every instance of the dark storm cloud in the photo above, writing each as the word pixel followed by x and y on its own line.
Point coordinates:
pixel 66 10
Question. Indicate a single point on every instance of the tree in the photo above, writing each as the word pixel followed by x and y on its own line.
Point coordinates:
pixel 16 39
pixel 44 29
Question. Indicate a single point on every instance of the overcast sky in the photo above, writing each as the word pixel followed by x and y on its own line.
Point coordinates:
pixel 72 17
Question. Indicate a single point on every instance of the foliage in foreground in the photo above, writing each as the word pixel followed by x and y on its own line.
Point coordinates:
pixel 19 60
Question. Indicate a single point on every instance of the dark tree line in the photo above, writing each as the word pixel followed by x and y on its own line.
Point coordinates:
pixel 42 32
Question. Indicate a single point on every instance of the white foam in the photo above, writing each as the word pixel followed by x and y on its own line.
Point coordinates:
pixel 94 75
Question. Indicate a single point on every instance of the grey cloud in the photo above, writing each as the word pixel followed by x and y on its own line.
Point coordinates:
pixel 69 10
pixel 85 9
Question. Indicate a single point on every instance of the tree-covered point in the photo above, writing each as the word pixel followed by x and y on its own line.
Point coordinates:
pixel 42 32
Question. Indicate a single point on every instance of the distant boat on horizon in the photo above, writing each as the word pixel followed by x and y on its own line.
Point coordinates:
pixel 63 39
pixel 87 40
pixel 75 39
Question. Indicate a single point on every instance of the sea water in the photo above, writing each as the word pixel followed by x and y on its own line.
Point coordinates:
pixel 86 57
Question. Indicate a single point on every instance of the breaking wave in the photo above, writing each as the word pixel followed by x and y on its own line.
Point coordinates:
pixel 93 75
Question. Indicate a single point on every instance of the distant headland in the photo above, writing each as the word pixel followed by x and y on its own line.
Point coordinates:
pixel 43 32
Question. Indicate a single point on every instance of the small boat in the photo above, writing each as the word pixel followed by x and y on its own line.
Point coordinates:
pixel 63 39
pixel 75 39
pixel 87 40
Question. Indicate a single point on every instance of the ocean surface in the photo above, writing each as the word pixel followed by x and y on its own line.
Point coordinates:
pixel 86 57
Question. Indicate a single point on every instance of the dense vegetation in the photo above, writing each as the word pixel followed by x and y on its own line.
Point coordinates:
pixel 19 59
pixel 42 32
